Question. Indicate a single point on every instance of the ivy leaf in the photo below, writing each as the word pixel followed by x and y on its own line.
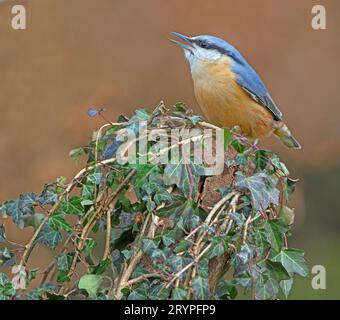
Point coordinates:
pixel 140 293
pixel 263 193
pixel 149 246
pixel 32 274
pixel 7 259
pixel 227 138
pixel 95 177
pixel 74 206
pixel 180 108
pixel 2 233
pixel 134 122
pixel 143 171
pixel 238 146
pixel 200 288
pixel 158 292
pixel 168 238
pixel 76 154
pixel 89 245
pixel 293 261
pixel 142 115
pixel 194 118
pixel 261 159
pixel 38 293
pixel 87 191
pixel 286 286
pixel 184 176
pixel 49 236
pixel 91 283
pixel 218 249
pixel 179 294
pixel 225 290
pixel 28 199
pixel 176 263
pixel 279 165
pixel 275 229
pixel 7 290
pixel 266 288
pixel 277 270
pixel 101 267
pixel 47 197
pixel 184 245
pixel 17 212
pixel 57 221
pixel 262 241
pixel 246 253
pixel 289 187
pixel 64 261
pixel 111 148
pixel 179 206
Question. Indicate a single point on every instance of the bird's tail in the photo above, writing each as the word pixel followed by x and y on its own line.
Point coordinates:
pixel 283 133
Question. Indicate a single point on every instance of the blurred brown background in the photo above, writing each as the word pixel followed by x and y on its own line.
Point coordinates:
pixel 77 54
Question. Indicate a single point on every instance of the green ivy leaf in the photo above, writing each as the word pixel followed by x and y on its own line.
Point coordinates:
pixel 57 221
pixel 7 259
pixel 38 293
pixel 18 209
pixel 227 138
pixel 238 146
pixel 266 288
pixel 279 165
pixel 77 153
pixel 74 206
pixel 200 288
pixel 261 159
pixel 289 187
pixel 179 294
pixel 286 286
pixel 64 261
pixel 184 176
pixel 89 245
pixel 91 283
pixel 49 236
pixel 7 291
pixel 175 262
pixel 225 290
pixel 276 228
pixel 101 267
pixel 293 261
pixel 143 171
pixel 48 196
pixel 140 293
pixel 263 193
pixel 184 245
pixel 218 249
pixel 168 238
pixel 87 191
pixel 2 233
pixel 149 246
pixel 95 177
pixel 277 270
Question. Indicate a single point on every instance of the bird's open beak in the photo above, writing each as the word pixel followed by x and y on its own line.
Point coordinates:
pixel 188 42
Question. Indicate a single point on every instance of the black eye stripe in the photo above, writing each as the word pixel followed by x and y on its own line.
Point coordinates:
pixel 206 45
pixel 202 43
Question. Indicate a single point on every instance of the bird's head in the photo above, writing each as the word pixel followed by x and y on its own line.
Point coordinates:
pixel 206 48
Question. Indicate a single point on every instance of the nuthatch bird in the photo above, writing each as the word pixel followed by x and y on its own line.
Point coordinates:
pixel 230 92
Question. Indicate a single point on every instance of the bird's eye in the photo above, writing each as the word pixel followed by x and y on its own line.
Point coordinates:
pixel 203 44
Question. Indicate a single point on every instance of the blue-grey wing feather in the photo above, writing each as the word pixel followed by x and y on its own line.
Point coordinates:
pixel 250 81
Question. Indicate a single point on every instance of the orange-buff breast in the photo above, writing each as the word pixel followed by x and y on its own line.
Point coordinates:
pixel 225 104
